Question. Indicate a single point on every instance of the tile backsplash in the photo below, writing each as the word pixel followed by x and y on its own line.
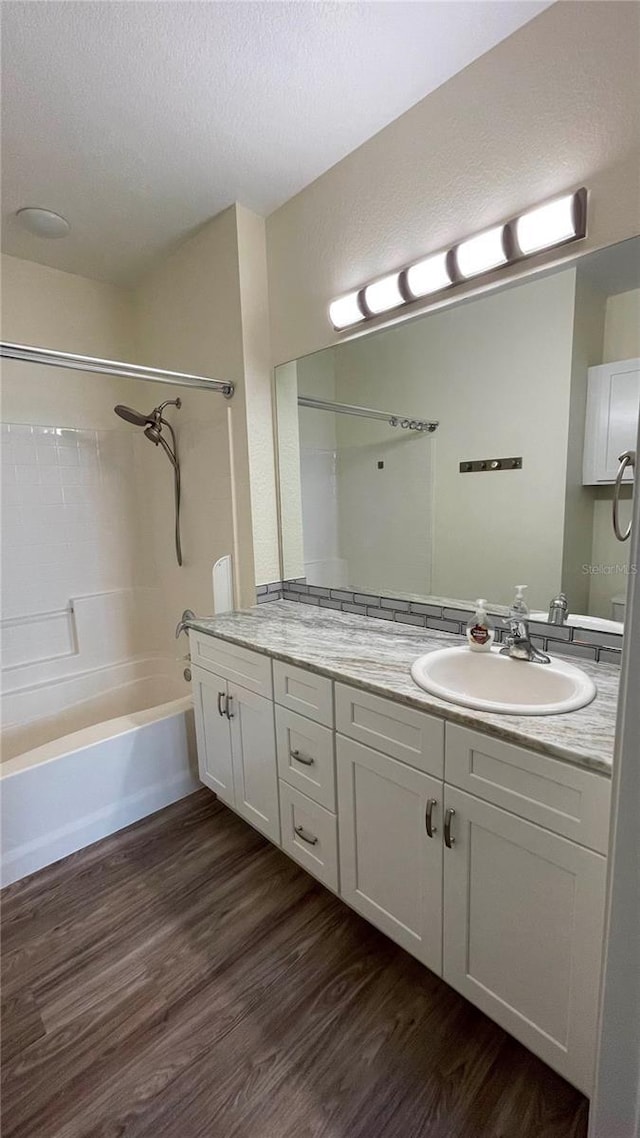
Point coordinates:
pixel 586 644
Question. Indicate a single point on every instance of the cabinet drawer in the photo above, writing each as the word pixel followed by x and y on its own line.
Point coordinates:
pixel 399 731
pixel 309 835
pixel 305 756
pixel 563 798
pixel 252 670
pixel 303 691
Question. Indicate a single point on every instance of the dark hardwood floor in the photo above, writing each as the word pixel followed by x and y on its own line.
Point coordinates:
pixel 184 979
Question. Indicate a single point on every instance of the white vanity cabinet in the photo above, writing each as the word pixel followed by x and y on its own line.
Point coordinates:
pixel 235 731
pixel 611 426
pixel 483 859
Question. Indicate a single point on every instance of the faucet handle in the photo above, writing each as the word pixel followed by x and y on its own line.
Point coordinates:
pixel 559 609
pixel 517 627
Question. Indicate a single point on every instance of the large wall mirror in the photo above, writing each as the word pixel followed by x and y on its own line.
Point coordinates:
pixel 394 510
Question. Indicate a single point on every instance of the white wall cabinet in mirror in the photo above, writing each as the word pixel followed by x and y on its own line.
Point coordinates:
pixel 368 506
pixel 613 405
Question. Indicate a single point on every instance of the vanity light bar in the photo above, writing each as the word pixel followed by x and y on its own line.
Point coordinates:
pixel 557 222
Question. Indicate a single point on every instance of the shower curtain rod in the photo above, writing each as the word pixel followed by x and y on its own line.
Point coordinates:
pixel 403 421
pixel 112 367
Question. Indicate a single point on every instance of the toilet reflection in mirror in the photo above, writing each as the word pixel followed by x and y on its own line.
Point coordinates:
pixel 545 372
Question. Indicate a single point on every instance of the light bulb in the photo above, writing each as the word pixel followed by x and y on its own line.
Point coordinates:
pixel 345 311
pixel 481 253
pixel 428 276
pixel 547 225
pixel 383 294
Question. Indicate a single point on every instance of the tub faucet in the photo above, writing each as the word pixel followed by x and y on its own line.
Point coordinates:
pixel 518 643
pixel 183 624
pixel 559 609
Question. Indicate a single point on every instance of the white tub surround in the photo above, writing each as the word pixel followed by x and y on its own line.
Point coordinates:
pixel 475 841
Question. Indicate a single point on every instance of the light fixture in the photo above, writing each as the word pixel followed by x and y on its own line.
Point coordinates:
pixel 551 224
pixel 383 294
pixel 545 226
pixel 43 222
pixel 345 311
pixel 482 253
pixel 428 276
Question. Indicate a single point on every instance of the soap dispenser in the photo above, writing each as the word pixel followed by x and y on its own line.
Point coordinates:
pixel 480 630
pixel 519 609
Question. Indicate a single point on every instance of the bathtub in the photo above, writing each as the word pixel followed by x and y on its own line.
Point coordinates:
pixel 98 765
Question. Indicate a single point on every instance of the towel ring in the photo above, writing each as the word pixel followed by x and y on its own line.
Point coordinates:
pixel 628 458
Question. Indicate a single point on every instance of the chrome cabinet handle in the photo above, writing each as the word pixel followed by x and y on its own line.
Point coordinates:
pixel 428 817
pixel 227 707
pixel 307 761
pixel 221 695
pixel 300 831
pixel 448 840
pixel 628 458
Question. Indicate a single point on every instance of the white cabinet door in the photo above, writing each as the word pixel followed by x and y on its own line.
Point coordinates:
pixel 613 403
pixel 253 748
pixel 523 928
pixel 390 869
pixel 212 733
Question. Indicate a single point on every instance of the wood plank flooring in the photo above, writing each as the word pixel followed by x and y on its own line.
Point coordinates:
pixel 184 979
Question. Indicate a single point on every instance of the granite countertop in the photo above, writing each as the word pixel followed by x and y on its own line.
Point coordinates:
pixel 376 656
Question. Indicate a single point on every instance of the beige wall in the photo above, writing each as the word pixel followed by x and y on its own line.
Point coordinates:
pixel 622 327
pixel 318 455
pixel 553 106
pixel 588 333
pixel 259 463
pixel 289 482
pixel 608 556
pixel 51 309
pixel 188 318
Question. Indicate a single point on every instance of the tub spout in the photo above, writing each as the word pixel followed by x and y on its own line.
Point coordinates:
pixel 183 624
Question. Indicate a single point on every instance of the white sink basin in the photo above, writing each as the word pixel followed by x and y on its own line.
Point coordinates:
pixel 598 623
pixel 489 681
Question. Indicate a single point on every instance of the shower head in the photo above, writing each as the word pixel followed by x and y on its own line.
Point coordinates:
pixel 153 419
pixel 153 424
pixel 131 416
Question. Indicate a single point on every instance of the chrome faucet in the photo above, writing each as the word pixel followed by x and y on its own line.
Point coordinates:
pixel 559 609
pixel 183 624
pixel 518 643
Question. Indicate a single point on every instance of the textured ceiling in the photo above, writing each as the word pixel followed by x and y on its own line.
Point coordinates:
pixel 139 121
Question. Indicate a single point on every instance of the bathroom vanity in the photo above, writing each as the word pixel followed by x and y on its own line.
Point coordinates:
pixel 476 841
